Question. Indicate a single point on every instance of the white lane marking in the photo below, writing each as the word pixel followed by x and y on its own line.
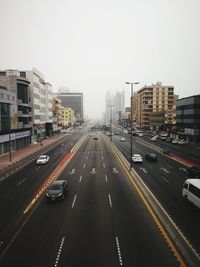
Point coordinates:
pixel 38 168
pixel 80 179
pixel 74 201
pixel 106 178
pixel 170 167
pixel 104 165
pixel 165 170
pixel 86 157
pixel 165 179
pixel 101 152
pixel 93 171
pixel 59 251
pixel 1 243
pixel 72 171
pixel 143 169
pixel 88 152
pixel 102 157
pixel 149 166
pixel 119 251
pixel 21 181
pixel 110 201
pixel 84 166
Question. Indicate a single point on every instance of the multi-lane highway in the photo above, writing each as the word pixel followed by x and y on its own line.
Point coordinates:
pixel 165 178
pixel 103 221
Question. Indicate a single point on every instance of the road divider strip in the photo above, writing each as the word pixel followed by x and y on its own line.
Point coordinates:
pixel 164 222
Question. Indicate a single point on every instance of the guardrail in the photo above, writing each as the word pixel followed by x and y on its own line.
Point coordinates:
pixel 186 249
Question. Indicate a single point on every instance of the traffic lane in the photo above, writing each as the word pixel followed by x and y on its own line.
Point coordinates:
pixel 51 219
pixel 22 187
pixel 12 216
pixel 92 240
pixel 135 229
pixel 166 185
pixel 33 239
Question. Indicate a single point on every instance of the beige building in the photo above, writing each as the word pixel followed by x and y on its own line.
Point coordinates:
pixel 67 117
pixel 154 105
pixel 57 114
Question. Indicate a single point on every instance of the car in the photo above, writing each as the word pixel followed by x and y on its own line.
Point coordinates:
pixel 57 190
pixel 140 134
pixel 193 172
pixel 175 141
pixel 151 157
pixel 122 139
pixel 43 159
pixel 95 138
pixel 108 134
pixel 137 158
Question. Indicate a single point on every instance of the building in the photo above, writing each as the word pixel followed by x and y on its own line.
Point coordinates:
pixel 57 115
pixel 188 118
pixel 16 119
pixel 41 95
pixel 75 102
pixel 119 104
pixel 155 107
pixel 67 117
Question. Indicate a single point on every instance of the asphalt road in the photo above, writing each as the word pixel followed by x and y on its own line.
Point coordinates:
pixel 101 222
pixel 165 179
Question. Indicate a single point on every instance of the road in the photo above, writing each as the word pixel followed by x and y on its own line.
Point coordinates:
pixel 101 222
pixel 165 179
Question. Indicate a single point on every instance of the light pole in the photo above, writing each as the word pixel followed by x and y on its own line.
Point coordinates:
pixel 131 150
pixel 111 122
pixel 9 132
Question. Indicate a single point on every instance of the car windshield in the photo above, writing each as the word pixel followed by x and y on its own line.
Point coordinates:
pixel 43 157
pixel 55 187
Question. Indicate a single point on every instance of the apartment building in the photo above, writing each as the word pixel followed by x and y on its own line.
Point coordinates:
pixel 187 118
pixel 41 99
pixel 67 117
pixel 57 115
pixel 155 106
pixel 16 119
pixel 49 110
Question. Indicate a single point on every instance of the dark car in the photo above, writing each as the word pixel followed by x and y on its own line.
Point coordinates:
pixel 193 172
pixel 95 138
pixel 57 190
pixel 151 157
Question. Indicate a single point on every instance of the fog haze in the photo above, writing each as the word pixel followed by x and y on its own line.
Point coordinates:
pixel 93 46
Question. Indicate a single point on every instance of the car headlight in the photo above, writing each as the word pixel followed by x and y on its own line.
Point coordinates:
pixel 59 195
pixel 47 194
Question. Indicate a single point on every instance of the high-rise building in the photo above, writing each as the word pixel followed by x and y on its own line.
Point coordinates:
pixel 187 118
pixel 119 103
pixel 155 106
pixel 75 102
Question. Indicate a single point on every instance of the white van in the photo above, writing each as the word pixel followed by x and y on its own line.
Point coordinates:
pixel 191 191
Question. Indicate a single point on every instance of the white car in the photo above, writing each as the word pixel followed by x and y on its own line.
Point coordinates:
pixel 140 134
pixel 122 139
pixel 43 159
pixel 137 158
pixel 175 141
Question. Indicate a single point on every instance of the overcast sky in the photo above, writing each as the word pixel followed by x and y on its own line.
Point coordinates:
pixel 93 46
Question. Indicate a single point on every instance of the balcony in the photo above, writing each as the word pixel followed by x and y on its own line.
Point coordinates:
pixel 28 125
pixel 20 125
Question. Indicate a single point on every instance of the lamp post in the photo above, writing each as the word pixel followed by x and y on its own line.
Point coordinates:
pixel 9 133
pixel 131 150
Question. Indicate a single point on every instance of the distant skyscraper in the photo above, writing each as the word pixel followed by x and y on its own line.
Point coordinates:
pixel 119 104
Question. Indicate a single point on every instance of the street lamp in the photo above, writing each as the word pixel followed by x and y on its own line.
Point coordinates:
pixel 131 150
pixel 111 122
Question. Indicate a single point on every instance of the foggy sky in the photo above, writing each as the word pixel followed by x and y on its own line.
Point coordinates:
pixel 93 46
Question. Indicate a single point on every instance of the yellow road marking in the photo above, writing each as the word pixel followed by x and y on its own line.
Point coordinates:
pixel 153 215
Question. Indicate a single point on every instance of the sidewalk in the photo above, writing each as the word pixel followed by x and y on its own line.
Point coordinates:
pixel 26 151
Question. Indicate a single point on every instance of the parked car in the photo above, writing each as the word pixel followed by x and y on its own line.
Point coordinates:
pixel 122 139
pixel 137 158
pixel 151 157
pixel 43 159
pixel 175 141
pixel 140 134
pixel 57 190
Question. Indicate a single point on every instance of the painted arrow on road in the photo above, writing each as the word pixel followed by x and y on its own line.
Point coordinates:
pixel 93 171
pixel 115 170
pixel 72 171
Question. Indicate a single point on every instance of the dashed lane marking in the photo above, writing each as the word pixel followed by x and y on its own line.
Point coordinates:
pixel 74 200
pixel 106 178
pixel 102 157
pixel 80 179
pixel 59 251
pixel 104 165
pixel 119 251
pixel 110 201
pixel 165 179
pixel 84 166
pixel 21 181
pixel 86 158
